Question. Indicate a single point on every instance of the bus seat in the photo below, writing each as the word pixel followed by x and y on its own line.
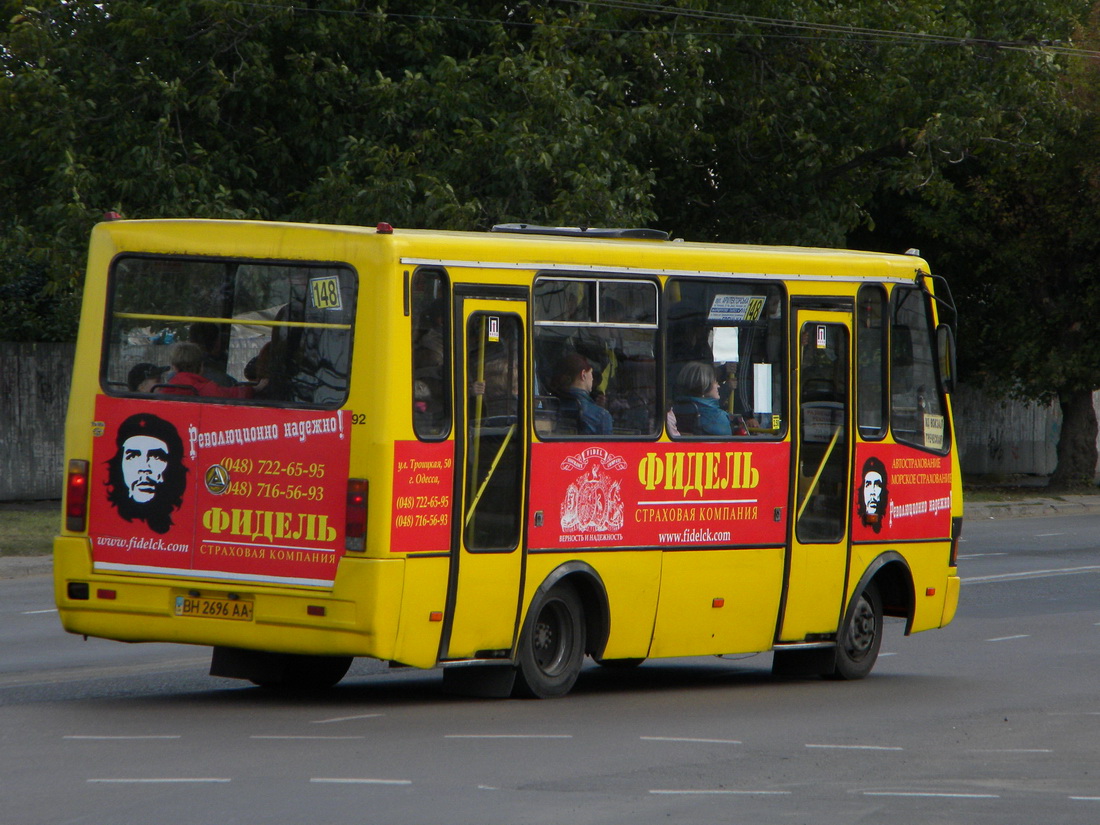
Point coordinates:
pixel 686 421
pixel 546 414
pixel 569 417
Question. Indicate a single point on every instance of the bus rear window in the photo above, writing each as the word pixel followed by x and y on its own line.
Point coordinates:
pixel 206 329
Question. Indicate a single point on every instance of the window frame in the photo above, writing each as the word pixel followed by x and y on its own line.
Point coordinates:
pixel 110 314
pixel 777 288
pixel 597 279
pixel 867 433
pixel 447 289
pixel 897 298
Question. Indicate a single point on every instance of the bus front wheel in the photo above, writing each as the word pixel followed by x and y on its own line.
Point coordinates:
pixel 858 644
pixel 551 647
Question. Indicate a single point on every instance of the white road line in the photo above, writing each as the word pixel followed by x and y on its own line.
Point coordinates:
pixel 689 739
pixel 508 736
pixel 1031 574
pixel 336 780
pixel 1085 798
pixel 980 555
pixel 160 780
pixel 37 612
pixel 857 747
pixel 1047 535
pixel 716 792
pixel 934 795
pixel 311 738
pixel 120 738
pixel 1010 750
pixel 347 718
pixel 1010 638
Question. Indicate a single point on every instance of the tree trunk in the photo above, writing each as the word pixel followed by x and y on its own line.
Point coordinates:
pixel 1077 455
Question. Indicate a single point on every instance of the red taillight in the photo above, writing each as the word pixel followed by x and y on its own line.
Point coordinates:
pixel 76 496
pixel 355 526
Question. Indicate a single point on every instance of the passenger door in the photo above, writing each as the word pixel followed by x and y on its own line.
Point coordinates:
pixel 491 461
pixel 818 559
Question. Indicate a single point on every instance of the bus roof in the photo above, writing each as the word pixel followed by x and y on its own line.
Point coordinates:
pixel 545 248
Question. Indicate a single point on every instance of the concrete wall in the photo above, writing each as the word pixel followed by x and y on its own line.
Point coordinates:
pixel 34 392
pixel 1005 437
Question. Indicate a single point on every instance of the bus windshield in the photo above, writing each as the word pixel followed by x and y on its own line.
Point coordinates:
pixel 281 331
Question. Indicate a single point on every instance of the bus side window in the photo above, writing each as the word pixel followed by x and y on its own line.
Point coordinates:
pixel 612 325
pixel 724 347
pixel 431 335
pixel 871 362
pixel 916 410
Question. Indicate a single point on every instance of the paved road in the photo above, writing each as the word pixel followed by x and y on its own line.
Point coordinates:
pixel 992 720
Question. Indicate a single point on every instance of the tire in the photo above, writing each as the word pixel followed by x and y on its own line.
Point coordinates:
pixel 859 640
pixel 551 647
pixel 303 673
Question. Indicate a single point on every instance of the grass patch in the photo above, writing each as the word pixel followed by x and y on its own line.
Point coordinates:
pixel 28 532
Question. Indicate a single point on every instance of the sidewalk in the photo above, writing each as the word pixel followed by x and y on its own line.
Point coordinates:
pixel 1040 505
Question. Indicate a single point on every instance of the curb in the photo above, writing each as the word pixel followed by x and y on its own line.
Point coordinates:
pixel 1074 506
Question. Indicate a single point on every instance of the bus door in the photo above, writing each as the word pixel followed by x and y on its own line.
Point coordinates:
pixel 491 464
pixel 817 561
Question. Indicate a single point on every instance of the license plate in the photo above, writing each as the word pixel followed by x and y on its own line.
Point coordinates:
pixel 233 609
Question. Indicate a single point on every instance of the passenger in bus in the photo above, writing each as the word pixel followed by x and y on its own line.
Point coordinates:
pixel 422 399
pixel 696 404
pixel 573 384
pixel 429 347
pixel 144 376
pixel 186 359
pixel 214 357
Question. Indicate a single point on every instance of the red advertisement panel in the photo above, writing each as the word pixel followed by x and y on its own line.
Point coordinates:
pixel 217 491
pixel 646 495
pixel 423 483
pixel 901 494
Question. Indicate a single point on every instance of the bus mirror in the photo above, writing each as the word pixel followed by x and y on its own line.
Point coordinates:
pixel 945 346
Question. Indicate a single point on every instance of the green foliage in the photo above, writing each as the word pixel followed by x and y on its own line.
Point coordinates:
pixel 452 114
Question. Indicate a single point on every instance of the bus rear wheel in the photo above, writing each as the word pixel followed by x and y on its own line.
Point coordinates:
pixel 860 638
pixel 303 673
pixel 551 647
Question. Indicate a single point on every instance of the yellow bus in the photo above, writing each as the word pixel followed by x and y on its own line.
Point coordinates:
pixel 499 452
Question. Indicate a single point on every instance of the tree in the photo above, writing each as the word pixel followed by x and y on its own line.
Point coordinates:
pixel 1016 234
pixel 779 123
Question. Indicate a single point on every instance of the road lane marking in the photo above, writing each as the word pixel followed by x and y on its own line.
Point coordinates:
pixel 160 780
pixel 508 736
pixel 981 555
pixel 857 747
pixel 310 738
pixel 1010 638
pixel 347 718
pixel 37 612
pixel 339 780
pixel 121 738
pixel 1010 750
pixel 1047 535
pixel 689 739
pixel 1031 574
pixel 934 794
pixel 716 792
